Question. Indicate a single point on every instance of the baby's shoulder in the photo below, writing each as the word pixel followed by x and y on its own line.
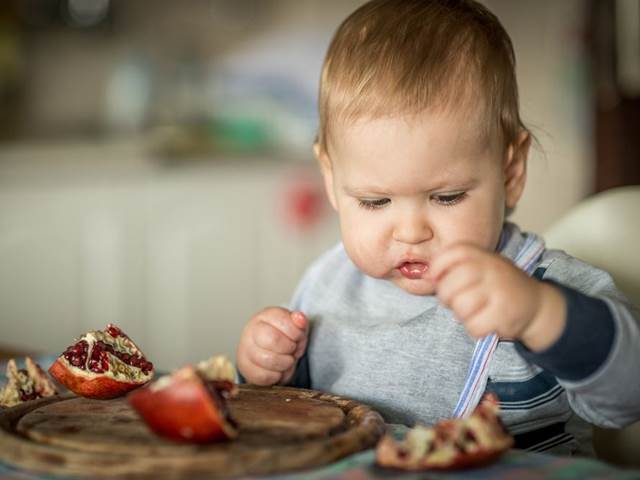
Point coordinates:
pixel 332 263
pixel 331 272
pixel 568 270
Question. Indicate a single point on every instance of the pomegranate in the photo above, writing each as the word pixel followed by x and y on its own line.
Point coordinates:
pixel 190 405
pixel 25 384
pixel 451 444
pixel 102 364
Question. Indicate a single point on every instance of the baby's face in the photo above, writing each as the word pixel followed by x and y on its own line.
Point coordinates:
pixel 406 188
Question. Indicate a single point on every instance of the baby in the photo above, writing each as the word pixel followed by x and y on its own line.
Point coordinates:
pixel 432 297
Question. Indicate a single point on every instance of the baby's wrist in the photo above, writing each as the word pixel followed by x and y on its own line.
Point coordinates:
pixel 549 321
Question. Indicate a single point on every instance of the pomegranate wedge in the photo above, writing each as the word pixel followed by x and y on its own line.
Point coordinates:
pixel 190 405
pixel 451 444
pixel 25 384
pixel 102 364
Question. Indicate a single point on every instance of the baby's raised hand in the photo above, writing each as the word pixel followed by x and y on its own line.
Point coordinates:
pixel 271 344
pixel 489 294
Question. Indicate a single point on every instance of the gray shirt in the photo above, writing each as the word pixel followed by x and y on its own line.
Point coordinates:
pixel 408 357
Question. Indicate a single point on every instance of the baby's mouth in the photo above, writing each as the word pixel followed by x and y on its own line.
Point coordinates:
pixel 413 270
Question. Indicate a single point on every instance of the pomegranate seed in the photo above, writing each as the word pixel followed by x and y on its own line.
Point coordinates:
pixel 76 361
pixel 28 396
pixel 95 367
pixel 135 361
pixel 125 357
pixel 113 330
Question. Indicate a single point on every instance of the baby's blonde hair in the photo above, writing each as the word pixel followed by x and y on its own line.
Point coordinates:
pixel 401 57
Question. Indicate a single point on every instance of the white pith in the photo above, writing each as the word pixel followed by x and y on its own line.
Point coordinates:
pixel 217 367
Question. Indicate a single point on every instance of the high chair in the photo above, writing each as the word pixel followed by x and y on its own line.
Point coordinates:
pixel 604 230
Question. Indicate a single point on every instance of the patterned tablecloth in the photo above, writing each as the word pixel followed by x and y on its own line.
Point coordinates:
pixel 515 464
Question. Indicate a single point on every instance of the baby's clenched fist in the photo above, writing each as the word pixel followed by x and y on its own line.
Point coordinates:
pixel 271 344
pixel 489 294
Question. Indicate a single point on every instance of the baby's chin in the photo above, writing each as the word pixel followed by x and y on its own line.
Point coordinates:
pixel 421 286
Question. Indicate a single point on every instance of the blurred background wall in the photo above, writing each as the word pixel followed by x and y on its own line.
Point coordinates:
pixel 155 161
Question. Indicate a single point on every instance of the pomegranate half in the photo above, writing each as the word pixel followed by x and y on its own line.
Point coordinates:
pixel 190 405
pixel 102 364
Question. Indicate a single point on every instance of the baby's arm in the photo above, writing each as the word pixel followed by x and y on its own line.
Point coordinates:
pixel 594 332
pixel 595 359
pixel 270 346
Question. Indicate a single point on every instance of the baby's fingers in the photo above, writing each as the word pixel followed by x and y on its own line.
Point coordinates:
pixel 300 349
pixel 469 304
pixel 269 360
pixel 450 258
pixel 267 337
pixel 262 376
pixel 480 326
pixel 292 324
pixel 459 282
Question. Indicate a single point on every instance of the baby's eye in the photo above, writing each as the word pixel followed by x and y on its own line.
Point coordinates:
pixel 450 199
pixel 373 204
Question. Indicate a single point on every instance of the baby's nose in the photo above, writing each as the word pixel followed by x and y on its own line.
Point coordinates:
pixel 412 229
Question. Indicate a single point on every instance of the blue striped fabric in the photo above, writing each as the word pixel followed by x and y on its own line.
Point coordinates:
pixel 526 394
pixel 540 391
pixel 534 403
pixel 526 259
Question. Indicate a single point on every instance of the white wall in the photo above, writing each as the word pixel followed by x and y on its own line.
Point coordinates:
pixel 555 104
pixel 180 259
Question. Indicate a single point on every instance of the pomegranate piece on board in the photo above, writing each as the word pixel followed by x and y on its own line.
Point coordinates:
pixel 25 384
pixel 102 364
pixel 190 405
pixel 451 444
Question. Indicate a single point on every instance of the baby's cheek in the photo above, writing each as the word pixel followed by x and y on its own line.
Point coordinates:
pixel 370 260
pixel 366 247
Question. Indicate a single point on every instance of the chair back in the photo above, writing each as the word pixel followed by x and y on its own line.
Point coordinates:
pixel 604 230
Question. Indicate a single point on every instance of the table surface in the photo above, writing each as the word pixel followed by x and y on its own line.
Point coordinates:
pixel 515 464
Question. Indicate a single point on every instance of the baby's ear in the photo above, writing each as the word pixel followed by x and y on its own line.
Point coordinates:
pixel 515 168
pixel 327 172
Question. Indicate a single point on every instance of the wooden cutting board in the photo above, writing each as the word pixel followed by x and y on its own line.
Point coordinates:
pixel 280 429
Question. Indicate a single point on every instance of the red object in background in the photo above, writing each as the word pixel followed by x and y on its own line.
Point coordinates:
pixel 304 201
